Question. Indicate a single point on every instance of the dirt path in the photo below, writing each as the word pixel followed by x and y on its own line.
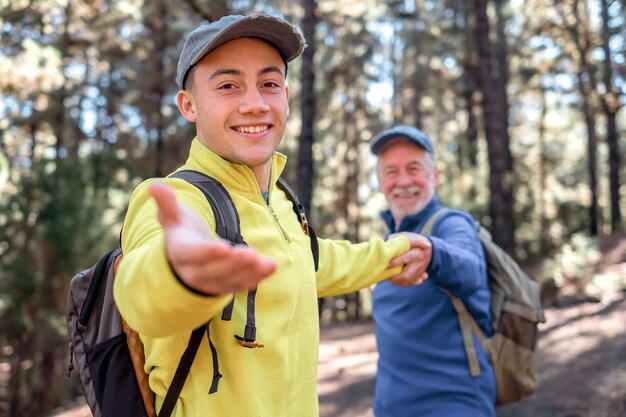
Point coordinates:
pixel 582 365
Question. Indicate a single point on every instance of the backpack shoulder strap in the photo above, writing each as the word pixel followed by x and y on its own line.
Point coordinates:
pixel 226 216
pixel 427 229
pixel 466 321
pixel 299 210
pixel 182 371
pixel 227 226
pixel 468 326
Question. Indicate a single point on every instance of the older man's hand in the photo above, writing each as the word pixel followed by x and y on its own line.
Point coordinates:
pixel 415 261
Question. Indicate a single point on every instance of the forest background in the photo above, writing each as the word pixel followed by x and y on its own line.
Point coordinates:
pixel 523 100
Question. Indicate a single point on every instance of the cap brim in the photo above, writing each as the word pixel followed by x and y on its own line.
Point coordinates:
pixel 384 140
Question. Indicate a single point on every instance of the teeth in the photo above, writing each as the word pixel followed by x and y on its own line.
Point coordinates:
pixel 252 129
pixel 406 192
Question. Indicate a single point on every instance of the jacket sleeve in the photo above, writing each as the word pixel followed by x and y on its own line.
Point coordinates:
pixel 458 262
pixel 346 267
pixel 148 294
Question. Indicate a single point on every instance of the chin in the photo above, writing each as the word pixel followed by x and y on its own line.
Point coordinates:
pixel 413 209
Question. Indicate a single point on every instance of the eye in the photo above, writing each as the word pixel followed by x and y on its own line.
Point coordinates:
pixel 271 84
pixel 413 169
pixel 226 86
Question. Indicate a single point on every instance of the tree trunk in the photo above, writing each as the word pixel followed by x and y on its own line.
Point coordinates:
pixel 496 132
pixel 614 166
pixel 308 104
pixel 586 86
pixel 544 241
pixel 470 88
pixel 308 107
pixel 502 74
pixel 610 106
pixel 158 90
pixel 351 202
pixel 592 146
pixel 471 133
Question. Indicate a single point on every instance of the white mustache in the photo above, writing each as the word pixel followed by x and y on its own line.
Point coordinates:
pixel 411 191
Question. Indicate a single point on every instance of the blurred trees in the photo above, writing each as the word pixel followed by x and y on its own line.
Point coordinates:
pixel 523 100
pixel 492 83
pixel 308 107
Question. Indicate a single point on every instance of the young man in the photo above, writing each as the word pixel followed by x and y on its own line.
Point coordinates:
pixel 176 276
pixel 422 368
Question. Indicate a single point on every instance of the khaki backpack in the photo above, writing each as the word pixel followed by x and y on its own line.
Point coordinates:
pixel 515 314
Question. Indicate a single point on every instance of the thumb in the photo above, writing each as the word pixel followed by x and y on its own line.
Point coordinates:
pixel 169 213
pixel 416 240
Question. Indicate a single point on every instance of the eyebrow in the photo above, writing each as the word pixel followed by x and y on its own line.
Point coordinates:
pixel 224 72
pixel 270 69
pixel 239 73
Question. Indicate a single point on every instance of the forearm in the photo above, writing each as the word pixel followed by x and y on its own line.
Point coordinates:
pixel 457 263
pixel 152 299
pixel 347 267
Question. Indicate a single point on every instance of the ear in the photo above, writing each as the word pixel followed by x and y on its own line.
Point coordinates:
pixel 287 94
pixel 184 100
pixel 436 176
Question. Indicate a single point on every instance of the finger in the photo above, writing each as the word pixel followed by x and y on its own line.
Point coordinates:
pixel 410 256
pixel 398 282
pixel 398 260
pixel 241 264
pixel 415 240
pixel 411 271
pixel 169 213
pixel 418 241
pixel 420 279
pixel 237 279
pixel 407 282
pixel 195 253
pixel 236 269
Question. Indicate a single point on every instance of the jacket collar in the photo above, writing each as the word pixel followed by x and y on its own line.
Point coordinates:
pixel 237 177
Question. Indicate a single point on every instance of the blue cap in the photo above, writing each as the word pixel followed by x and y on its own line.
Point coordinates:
pixel 409 133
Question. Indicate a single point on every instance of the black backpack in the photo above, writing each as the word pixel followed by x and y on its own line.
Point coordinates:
pixel 109 355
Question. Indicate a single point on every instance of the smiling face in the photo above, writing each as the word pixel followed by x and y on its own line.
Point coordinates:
pixel 407 176
pixel 239 102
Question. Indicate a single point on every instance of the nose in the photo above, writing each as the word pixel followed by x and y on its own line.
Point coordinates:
pixel 253 102
pixel 403 179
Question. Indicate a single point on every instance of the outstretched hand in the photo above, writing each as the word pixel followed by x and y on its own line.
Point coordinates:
pixel 203 262
pixel 415 261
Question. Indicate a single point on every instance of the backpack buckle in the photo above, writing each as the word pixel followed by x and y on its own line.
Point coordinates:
pixel 304 222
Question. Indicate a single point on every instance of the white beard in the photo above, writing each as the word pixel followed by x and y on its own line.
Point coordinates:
pixel 400 212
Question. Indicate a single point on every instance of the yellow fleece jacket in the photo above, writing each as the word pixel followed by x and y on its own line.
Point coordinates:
pixel 278 379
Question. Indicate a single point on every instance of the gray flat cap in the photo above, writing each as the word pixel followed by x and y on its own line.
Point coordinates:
pixel 284 36
pixel 409 133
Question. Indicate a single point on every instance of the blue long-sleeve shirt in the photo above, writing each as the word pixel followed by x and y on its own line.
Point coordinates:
pixel 422 367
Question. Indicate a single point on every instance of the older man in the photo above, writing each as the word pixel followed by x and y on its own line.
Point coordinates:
pixel 422 369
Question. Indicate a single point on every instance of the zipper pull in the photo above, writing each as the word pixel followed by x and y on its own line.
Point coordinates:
pixel 70 366
pixel 304 222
